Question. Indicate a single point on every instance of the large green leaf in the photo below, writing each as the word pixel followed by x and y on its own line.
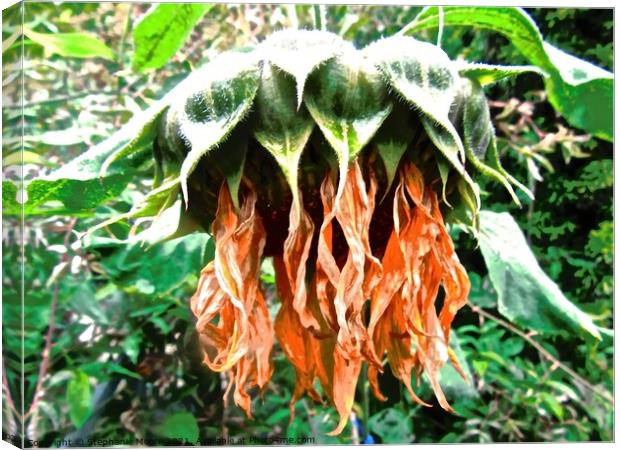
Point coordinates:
pixel 526 295
pixel 84 183
pixel 580 91
pixel 281 127
pixel 162 32
pixel 213 101
pixel 348 100
pixel 79 398
pixel 71 45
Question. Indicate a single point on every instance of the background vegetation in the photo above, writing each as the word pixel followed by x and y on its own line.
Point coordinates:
pixel 110 348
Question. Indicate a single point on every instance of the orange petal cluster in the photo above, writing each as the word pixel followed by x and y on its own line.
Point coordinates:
pixel 335 315
pixel 233 320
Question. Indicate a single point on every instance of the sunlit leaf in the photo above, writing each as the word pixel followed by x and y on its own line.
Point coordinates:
pixel 79 398
pixel 71 45
pixel 162 32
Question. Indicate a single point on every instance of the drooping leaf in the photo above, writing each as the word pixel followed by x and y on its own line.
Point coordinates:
pixel 526 295
pixel 180 425
pixel 580 91
pixel 281 127
pixel 216 97
pixel 348 100
pixel 79 398
pixel 162 32
pixel 71 45
pixel 299 52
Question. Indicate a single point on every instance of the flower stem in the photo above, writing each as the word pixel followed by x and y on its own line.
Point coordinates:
pixel 320 17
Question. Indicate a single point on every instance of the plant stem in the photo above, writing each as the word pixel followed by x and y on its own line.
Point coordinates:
pixel 320 17
pixel 440 28
pixel 556 362
pixel 365 399
pixel 9 400
pixel 47 349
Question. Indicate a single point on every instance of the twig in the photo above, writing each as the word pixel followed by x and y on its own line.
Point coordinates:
pixel 51 327
pixel 60 99
pixel 543 352
pixel 45 356
pixel 7 389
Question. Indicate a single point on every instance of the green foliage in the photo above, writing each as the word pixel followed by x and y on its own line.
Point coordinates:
pixel 162 32
pixel 124 291
pixel 579 90
pixel 79 398
pixel 526 296
pixel 181 425
pixel 71 45
pixel 392 426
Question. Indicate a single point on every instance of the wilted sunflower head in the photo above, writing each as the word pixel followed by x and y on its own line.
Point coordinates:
pixel 340 163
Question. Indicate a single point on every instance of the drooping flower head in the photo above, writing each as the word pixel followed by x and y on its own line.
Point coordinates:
pixel 340 164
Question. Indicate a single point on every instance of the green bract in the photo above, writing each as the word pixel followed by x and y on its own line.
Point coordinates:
pixel 246 110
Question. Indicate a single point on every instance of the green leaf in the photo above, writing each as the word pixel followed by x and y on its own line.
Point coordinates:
pixel 154 270
pixel 392 425
pixel 281 127
pixel 131 345
pixel 162 32
pixel 71 45
pixel 180 425
pixel 580 91
pixel 526 295
pixel 299 52
pixel 552 404
pixel 487 74
pixel 25 157
pixel 79 398
pixel 423 74
pixel 216 97
pixel 348 100
pixel 92 179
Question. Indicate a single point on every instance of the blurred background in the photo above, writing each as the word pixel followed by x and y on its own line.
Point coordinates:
pixel 109 340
